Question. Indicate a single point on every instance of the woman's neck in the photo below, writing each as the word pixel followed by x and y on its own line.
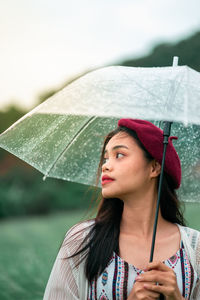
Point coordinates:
pixel 138 215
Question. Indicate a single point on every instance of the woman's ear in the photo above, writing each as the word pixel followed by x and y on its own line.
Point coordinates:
pixel 155 169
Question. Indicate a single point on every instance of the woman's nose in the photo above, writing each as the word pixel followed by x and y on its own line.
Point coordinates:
pixel 106 166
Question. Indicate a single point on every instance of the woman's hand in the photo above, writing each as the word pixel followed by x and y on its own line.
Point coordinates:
pixel 138 292
pixel 157 279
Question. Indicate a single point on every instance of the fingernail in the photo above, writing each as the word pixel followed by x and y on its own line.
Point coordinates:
pixel 138 277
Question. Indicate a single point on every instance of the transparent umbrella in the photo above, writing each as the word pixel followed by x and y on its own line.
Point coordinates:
pixel 62 137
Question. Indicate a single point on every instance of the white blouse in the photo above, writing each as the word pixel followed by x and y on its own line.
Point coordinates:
pixel 117 280
pixel 68 281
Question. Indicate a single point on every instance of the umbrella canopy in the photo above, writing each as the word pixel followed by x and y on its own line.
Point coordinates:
pixel 127 91
pixel 62 137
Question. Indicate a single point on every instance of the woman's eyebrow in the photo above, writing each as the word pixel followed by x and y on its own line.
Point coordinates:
pixel 116 147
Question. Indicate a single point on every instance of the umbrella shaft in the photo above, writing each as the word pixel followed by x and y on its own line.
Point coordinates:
pixel 166 133
pixel 158 204
pixel 157 209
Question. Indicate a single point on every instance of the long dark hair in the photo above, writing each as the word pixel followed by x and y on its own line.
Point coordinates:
pixel 103 237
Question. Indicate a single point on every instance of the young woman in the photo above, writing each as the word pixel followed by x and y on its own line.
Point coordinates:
pixel 108 257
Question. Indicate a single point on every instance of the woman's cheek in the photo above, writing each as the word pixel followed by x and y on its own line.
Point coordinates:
pixel 110 190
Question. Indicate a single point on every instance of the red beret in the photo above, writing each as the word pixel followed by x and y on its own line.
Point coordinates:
pixel 152 138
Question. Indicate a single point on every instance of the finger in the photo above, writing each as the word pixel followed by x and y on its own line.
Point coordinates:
pixel 157 265
pixel 161 289
pixel 151 276
pixel 151 293
pixel 146 293
pixel 156 288
pixel 157 276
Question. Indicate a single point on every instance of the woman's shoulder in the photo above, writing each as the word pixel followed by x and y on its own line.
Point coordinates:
pixel 191 239
pixel 80 230
pixel 189 230
pixel 190 234
pixel 74 237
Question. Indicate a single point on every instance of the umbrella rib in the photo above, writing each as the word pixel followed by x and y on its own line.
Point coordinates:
pixel 186 102
pixel 138 84
pixel 173 92
pixel 70 143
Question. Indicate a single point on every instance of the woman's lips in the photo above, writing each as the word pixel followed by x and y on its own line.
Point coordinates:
pixel 106 179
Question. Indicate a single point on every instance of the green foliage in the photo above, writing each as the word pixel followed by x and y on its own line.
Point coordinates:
pixel 8 117
pixel 162 55
pixel 23 192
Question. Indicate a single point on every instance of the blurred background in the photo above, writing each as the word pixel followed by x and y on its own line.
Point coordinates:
pixel 45 45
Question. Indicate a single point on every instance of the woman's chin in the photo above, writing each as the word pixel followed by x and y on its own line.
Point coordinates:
pixel 108 194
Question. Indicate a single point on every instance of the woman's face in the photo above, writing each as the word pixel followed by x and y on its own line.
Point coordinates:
pixel 126 165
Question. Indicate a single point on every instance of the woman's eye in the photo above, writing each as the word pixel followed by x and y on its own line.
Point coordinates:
pixel 105 160
pixel 119 155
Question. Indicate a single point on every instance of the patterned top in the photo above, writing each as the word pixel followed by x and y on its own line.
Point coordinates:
pixel 117 280
pixel 68 280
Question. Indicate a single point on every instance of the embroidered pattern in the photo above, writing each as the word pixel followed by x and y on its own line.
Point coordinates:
pixel 104 277
pixel 192 279
pixel 92 290
pixel 173 260
pixel 118 278
pixel 115 278
pixel 103 296
pixel 183 271
pixel 125 286
pixel 189 274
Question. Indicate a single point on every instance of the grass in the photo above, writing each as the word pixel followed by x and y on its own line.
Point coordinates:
pixel 27 252
pixel 29 247
pixel 192 215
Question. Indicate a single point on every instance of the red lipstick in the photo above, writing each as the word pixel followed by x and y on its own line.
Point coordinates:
pixel 106 179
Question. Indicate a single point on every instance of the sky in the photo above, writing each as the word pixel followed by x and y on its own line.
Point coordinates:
pixel 43 43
